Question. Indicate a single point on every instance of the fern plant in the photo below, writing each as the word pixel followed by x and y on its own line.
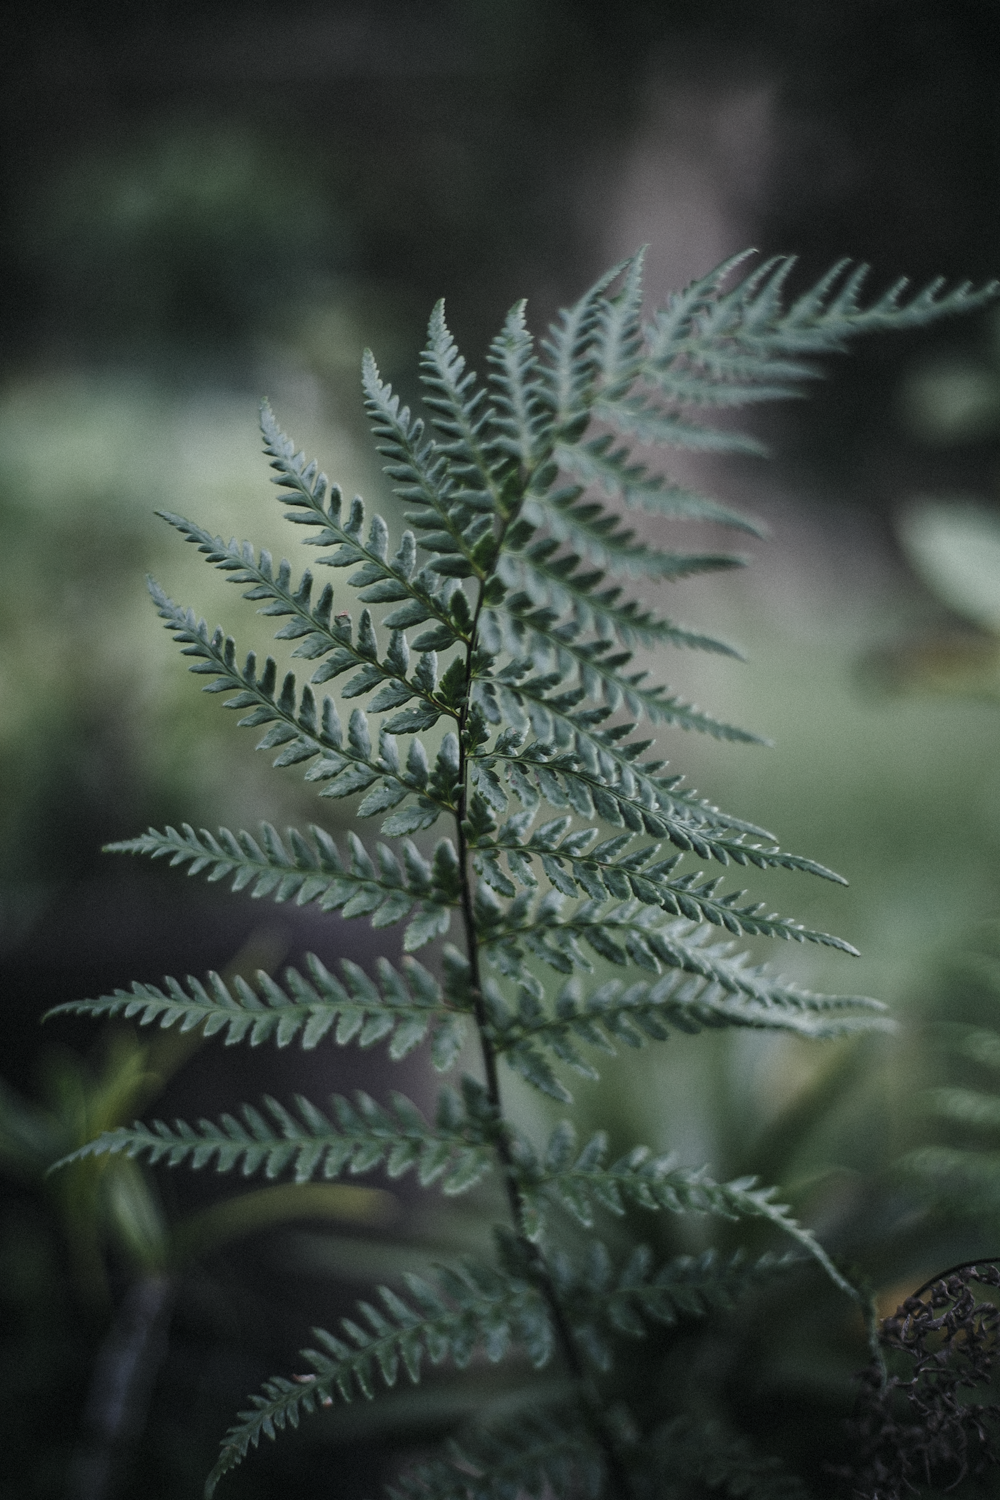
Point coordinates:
pixel 562 841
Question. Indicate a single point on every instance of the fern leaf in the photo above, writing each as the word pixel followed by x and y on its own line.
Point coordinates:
pixel 573 346
pixel 461 416
pixel 564 584
pixel 455 1150
pixel 380 579
pixel 530 1038
pixel 312 869
pixel 598 665
pixel 598 534
pixel 711 1454
pixel 319 637
pixel 648 423
pixel 582 1183
pixel 618 344
pixel 599 668
pixel 304 733
pixel 609 870
pixel 404 1008
pixel 452 518
pixel 633 799
pixel 626 792
pixel 601 1299
pixel 523 419
pixel 538 1454
pixel 745 337
pixel 629 932
pixel 614 470
pixel 552 709
pixel 464 1310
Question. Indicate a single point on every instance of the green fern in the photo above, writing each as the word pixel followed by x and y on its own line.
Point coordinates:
pixel 564 836
pixel 961 1174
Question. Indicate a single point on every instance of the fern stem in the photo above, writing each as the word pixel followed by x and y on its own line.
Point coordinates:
pixel 533 1257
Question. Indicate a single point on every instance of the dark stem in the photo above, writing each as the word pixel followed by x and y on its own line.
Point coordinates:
pixel 534 1259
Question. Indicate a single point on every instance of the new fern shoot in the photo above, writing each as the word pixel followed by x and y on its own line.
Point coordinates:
pixel 546 831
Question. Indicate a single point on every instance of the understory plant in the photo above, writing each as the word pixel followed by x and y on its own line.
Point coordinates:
pixel 532 835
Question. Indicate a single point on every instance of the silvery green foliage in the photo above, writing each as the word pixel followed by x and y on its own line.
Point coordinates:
pixel 489 720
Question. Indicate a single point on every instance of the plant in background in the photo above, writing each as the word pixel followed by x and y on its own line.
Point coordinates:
pixel 914 1424
pixel 110 1215
pixel 959 1174
pixel 563 839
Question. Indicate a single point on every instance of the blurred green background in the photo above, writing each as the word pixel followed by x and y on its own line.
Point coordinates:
pixel 205 204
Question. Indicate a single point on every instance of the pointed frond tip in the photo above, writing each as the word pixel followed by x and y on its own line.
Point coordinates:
pixel 404 1007
pixel 465 1309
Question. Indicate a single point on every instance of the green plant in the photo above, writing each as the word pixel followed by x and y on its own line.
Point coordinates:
pixel 525 657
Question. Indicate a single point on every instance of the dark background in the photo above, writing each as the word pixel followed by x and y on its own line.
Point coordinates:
pixel 191 195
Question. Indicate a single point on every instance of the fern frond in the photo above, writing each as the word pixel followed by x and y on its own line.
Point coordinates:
pixel 306 734
pixel 455 521
pixel 557 583
pixel 504 485
pixel 523 419
pixel 629 932
pixel 405 1007
pixel 609 870
pixel 319 637
pixel 625 792
pixel 601 1299
pixel 538 1454
pixel 529 1037
pixel 707 1451
pixel 582 1183
pixel 312 869
pixel 461 415
pixel 466 1309
pixel 423 594
pixel 553 711
pixel 598 461
pixel 455 1151
pixel 599 535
